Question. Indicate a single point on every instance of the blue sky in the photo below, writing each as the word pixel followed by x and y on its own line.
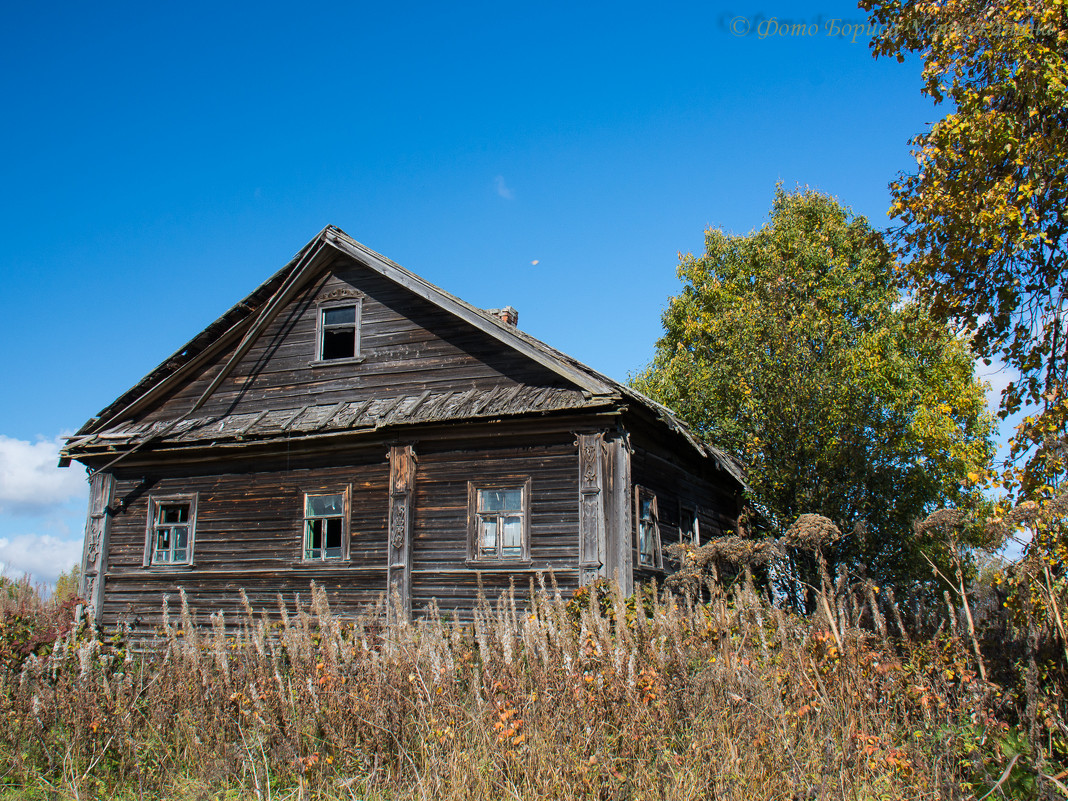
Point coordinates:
pixel 161 161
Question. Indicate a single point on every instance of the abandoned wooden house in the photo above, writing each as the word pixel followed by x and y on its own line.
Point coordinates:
pixel 351 424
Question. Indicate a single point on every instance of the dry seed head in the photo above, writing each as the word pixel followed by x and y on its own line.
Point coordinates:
pixel 811 531
pixel 943 521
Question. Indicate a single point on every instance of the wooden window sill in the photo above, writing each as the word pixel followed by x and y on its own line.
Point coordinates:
pixel 334 362
pixel 497 563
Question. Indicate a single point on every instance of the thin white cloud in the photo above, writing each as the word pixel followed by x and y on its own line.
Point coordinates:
pixel 43 556
pixel 30 482
pixel 502 188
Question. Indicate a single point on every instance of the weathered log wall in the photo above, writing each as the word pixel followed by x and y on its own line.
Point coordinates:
pixel 248 536
pixel 677 484
pixel 407 344
pixel 249 533
pixel 442 569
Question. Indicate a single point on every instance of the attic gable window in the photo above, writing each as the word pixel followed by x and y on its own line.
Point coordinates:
pixel 339 333
pixel 338 328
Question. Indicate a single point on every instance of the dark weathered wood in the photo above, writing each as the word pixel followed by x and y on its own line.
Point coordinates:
pixel 619 555
pixel 401 486
pixel 592 549
pixel 406 344
pixel 95 550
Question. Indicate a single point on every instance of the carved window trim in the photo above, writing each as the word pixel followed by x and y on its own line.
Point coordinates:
pixel 473 551
pixel 651 557
pixel 337 299
pixel 346 523
pixel 153 525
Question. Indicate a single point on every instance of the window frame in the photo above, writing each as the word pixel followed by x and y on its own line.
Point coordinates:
pixel 346 517
pixel 643 493
pixel 321 308
pixel 689 508
pixel 474 556
pixel 154 502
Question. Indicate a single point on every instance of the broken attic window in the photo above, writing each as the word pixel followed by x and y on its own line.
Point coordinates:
pixel 339 332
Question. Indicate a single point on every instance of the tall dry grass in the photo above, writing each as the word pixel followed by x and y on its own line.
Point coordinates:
pixel 599 697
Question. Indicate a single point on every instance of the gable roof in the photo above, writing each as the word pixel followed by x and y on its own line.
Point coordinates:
pixel 246 318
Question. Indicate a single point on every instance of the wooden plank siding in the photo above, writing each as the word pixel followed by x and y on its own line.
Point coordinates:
pixel 249 528
pixel 675 486
pixel 249 535
pixel 442 570
pixel 407 344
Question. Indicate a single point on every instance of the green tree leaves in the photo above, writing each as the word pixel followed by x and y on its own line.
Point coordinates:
pixel 792 347
pixel 984 219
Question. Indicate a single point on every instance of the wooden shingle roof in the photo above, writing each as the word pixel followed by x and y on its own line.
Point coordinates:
pixel 113 428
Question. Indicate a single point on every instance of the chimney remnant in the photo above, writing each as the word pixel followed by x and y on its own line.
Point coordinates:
pixel 507 315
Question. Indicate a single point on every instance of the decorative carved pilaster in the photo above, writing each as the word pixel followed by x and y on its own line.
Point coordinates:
pixel 95 550
pixel 591 507
pixel 618 506
pixel 398 520
pixel 401 479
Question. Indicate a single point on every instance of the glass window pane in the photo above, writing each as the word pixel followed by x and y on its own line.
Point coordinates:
pixel 488 537
pixel 512 537
pixel 646 509
pixel 489 500
pixel 644 541
pixel 500 500
pixel 162 556
pixel 181 537
pixel 325 505
pixel 179 554
pixel 344 314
